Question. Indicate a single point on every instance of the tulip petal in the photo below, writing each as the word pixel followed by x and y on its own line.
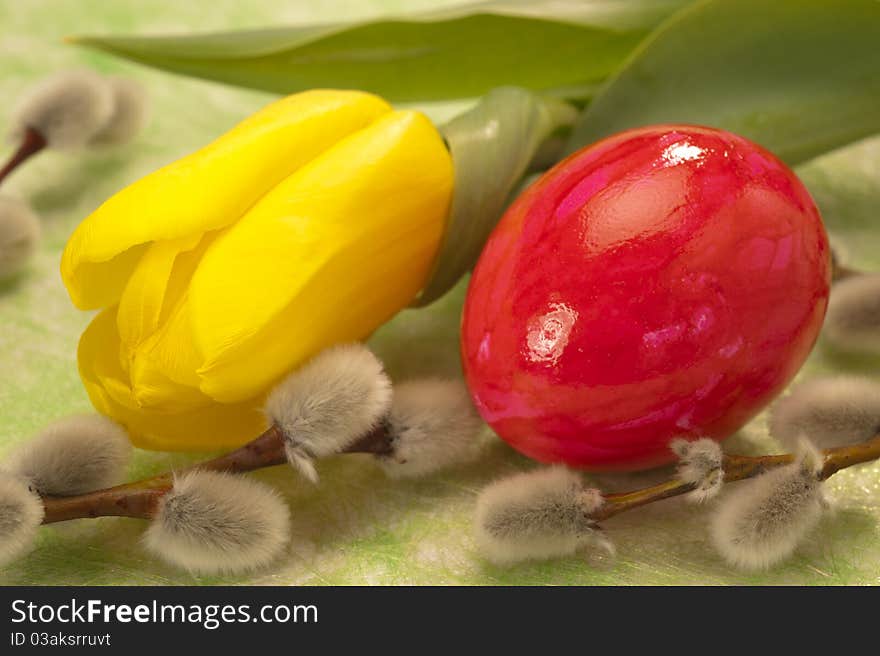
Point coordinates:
pixel 208 189
pixel 164 370
pixel 143 299
pixel 157 349
pixel 207 428
pixel 332 252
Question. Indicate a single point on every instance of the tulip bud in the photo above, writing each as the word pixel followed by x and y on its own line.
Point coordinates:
pixel 308 225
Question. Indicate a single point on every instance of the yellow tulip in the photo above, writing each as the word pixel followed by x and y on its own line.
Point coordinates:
pixel 311 223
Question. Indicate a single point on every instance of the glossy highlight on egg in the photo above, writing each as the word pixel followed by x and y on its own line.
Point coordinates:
pixel 665 282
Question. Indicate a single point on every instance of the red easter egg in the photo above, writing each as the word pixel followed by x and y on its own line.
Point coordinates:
pixel 667 281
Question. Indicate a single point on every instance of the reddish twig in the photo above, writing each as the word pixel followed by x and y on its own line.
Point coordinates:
pixel 32 143
pixel 141 498
pixel 737 468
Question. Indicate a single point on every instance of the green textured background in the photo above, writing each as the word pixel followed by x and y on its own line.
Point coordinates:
pixel 357 527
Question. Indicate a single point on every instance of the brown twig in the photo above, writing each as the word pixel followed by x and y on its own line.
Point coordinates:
pixel 32 143
pixel 737 468
pixel 840 271
pixel 141 498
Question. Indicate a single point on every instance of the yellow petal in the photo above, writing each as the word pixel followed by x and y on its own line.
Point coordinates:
pixel 143 299
pixel 208 428
pixel 327 256
pixel 208 189
pixel 164 370
pixel 157 349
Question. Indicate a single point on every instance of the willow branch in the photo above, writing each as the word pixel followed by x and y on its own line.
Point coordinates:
pixel 738 468
pixel 141 498
pixel 32 143
pixel 840 271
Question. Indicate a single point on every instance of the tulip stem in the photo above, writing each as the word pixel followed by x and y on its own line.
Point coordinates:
pixel 140 499
pixel 737 468
pixel 32 143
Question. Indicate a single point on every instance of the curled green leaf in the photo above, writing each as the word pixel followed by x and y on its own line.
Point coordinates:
pixel 493 145
pixel 845 184
pixel 800 77
pixel 563 45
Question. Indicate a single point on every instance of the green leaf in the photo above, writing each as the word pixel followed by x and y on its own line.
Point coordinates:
pixel 845 184
pixel 563 45
pixel 800 77
pixel 492 146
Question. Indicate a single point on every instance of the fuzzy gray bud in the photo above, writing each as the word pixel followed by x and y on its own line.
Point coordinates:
pixel 19 235
pixel 214 522
pixel 67 109
pixel 21 513
pixel 433 426
pixel 324 406
pixel 852 322
pixel 536 515
pixel 829 411
pixel 700 464
pixel 763 520
pixel 129 116
pixel 74 455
